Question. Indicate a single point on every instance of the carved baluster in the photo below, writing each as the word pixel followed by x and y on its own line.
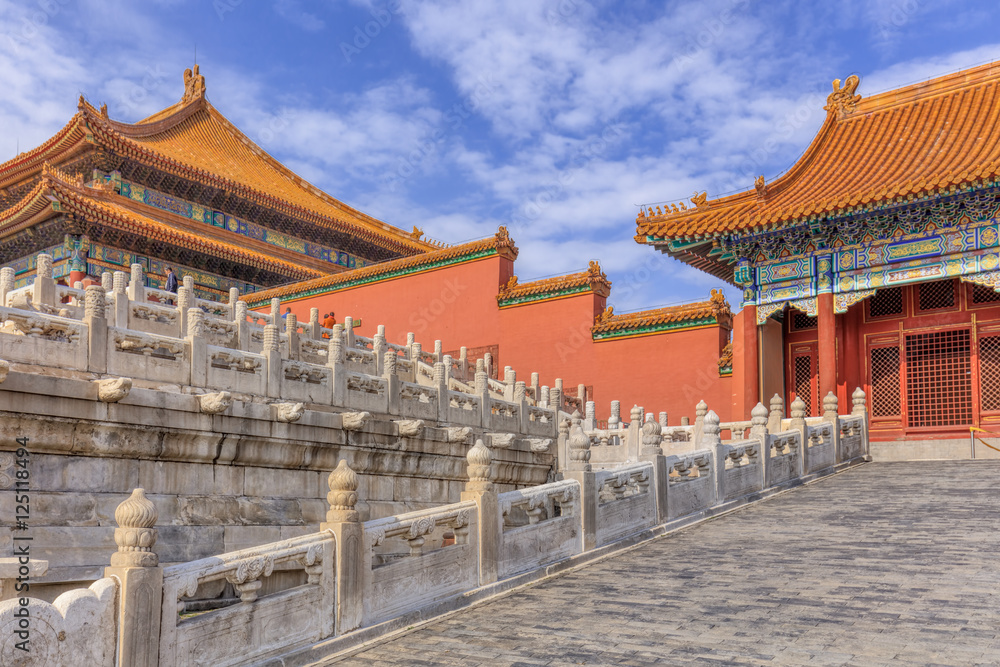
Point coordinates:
pixel 544 396
pixel 140 578
pixel 578 445
pixel 776 415
pixel 275 310
pixel 616 415
pixel 652 436
pixel 6 283
pixel 859 401
pixel 758 421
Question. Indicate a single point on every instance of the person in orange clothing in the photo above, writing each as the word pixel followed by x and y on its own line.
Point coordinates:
pixel 328 321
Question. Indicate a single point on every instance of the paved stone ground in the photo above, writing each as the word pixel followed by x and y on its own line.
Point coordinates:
pixel 892 563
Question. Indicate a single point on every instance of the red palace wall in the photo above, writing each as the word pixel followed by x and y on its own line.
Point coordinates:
pixel 458 304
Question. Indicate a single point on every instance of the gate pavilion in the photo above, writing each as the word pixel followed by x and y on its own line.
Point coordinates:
pixel 872 261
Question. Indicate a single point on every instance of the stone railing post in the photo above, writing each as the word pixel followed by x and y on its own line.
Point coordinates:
pixel 6 283
pixel 276 311
pixel 314 324
pixel 188 281
pixel 776 415
pixel 120 304
pixel 480 489
pixel 860 409
pixel 535 388
pixel 94 316
pixel 185 301
pixel 798 423
pixel 379 347
pixel 343 520
pixel 652 436
pixel 335 361
pixel 758 432
pixel 615 417
pixel 438 350
pixel 663 420
pixel 543 396
pixel 700 411
pixel 711 440
pixel 140 582
pixel 137 284
pixel 830 405
pixel 441 382
pixel 349 330
pixel 44 291
pixel 481 379
pixel 634 435
pixel 447 361
pixel 509 378
pixel 107 281
pixel 292 333
pixel 389 373
pixel 415 352
pixel 578 468
pixel 199 347
pixel 242 326
pixel 521 398
pixel 463 363
pixel 589 416
pixel 272 355
pixel 556 397
pixel 234 298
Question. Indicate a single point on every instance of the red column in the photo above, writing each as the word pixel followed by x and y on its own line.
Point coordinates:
pixel 827 340
pixel 751 365
pixel 75 276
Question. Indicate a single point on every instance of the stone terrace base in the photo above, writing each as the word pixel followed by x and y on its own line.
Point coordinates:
pixel 891 563
pixel 928 450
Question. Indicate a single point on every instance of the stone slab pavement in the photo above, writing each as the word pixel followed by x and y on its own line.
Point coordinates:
pixel 883 564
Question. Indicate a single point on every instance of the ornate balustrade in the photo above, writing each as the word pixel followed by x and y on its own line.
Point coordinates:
pixel 117 329
pixel 352 574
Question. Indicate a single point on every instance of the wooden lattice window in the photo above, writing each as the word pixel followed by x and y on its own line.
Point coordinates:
pixel 885 381
pixel 803 380
pixel 989 373
pixel 802 321
pixel 886 302
pixel 939 378
pixel 982 294
pixel 936 295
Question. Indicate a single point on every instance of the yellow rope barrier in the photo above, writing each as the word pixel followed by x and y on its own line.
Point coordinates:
pixel 982 430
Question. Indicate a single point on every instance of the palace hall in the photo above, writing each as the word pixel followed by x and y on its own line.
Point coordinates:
pixel 182 188
pixel 873 261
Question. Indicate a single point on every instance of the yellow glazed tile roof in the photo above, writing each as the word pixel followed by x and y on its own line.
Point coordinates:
pixel 912 141
pixel 56 189
pixel 716 307
pixel 193 140
pixel 501 243
pixel 593 278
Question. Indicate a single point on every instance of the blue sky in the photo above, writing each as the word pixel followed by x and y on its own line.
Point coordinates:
pixel 554 117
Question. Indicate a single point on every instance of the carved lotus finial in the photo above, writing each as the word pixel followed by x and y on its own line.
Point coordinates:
pixel 712 423
pixel 701 408
pixel 579 448
pixel 343 495
pixel 759 414
pixel 135 535
pixel 830 402
pixel 480 470
pixel 652 434
pixel 798 408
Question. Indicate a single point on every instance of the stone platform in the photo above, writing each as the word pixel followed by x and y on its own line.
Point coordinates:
pixel 885 564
